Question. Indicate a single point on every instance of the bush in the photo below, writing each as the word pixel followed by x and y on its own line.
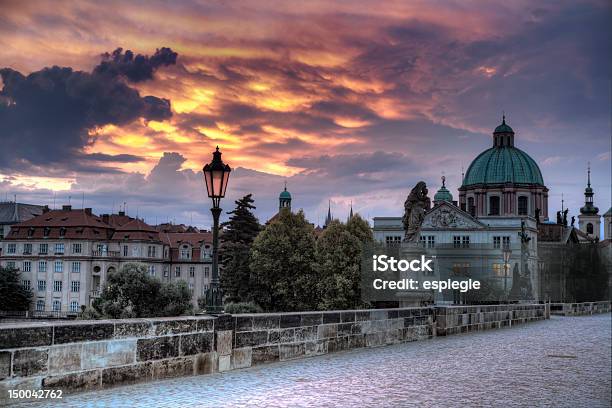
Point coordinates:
pixel 89 313
pixel 242 307
pixel 132 292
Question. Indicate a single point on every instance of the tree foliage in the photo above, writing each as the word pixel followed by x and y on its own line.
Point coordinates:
pixel 13 296
pixel 338 263
pixel 132 292
pixel 282 264
pixel 236 240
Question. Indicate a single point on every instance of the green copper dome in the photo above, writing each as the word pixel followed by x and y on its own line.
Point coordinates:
pixel 443 194
pixel 503 128
pixel 285 194
pixel 505 164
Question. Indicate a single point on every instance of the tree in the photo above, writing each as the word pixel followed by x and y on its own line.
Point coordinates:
pixel 282 260
pixel 175 298
pixel 339 252
pixel 13 296
pixel 132 292
pixel 236 240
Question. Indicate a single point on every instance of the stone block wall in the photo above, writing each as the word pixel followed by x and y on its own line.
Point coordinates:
pixel 84 355
pixel 463 319
pixel 580 309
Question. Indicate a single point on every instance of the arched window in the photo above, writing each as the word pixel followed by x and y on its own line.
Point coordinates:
pixel 522 205
pixel 471 209
pixel 589 228
pixel 494 205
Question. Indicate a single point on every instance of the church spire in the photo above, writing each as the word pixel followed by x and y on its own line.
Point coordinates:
pixel 328 219
pixel 589 208
pixel 350 212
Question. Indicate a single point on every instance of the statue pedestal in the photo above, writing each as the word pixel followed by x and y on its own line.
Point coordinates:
pixel 417 297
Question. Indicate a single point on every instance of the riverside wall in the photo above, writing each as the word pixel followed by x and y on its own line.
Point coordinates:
pixel 84 355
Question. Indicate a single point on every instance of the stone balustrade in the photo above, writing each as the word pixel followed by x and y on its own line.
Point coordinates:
pixel 580 309
pixel 84 355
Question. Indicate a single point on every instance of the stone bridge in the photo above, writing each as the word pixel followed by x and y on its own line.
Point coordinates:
pixel 86 355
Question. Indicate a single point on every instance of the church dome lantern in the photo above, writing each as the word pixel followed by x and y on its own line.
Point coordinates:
pixel 443 194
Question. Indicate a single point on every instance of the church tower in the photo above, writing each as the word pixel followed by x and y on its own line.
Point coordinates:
pixel 284 199
pixel 589 219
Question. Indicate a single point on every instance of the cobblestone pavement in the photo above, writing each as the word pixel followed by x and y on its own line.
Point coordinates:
pixel 563 362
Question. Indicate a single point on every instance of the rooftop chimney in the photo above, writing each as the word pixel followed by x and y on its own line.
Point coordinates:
pixel 88 211
pixel 122 213
pixel 45 209
pixel 66 207
pixel 106 218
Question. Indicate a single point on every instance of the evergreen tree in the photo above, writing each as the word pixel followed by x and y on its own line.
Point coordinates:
pixel 13 296
pixel 236 240
pixel 282 260
pixel 339 252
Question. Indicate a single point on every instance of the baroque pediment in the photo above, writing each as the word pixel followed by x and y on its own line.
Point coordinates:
pixel 449 216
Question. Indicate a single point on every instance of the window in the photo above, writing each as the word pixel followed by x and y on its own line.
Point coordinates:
pixel 191 287
pixel 59 266
pixel 75 286
pixel 42 266
pixel 431 241
pixel 57 305
pixel 40 305
pixel 192 271
pixel 456 242
pixel 165 271
pixel 27 249
pixel 135 252
pixel 206 271
pixel 46 231
pixel 43 249
pixel 494 205
pixel 26 284
pixel 27 266
pixel 589 228
pixel 522 205
pixel 498 270
pixel 77 248
pixel 471 208
pixel 393 239
pixel 177 271
pixel 465 241
pixel 59 248
pixel 10 265
pixel 185 252
pixel 151 270
pixel 496 242
pixel 76 267
pixel 62 232
pixel 125 250
pixel 42 285
pixel 151 251
pixel 11 248
pixel 31 231
pixel 461 269
pixel 74 306
pixel 57 286
pixel 506 242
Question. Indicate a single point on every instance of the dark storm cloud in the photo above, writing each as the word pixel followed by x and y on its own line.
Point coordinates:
pixel 45 116
pixel 135 68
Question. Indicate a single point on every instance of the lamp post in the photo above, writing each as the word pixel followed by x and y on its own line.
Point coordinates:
pixel 507 253
pixel 216 175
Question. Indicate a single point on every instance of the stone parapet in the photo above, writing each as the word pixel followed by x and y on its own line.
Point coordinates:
pixel 85 355
pixel 580 309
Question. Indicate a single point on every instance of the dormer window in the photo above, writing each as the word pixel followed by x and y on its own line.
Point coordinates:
pixel 62 232
pixel 46 231
pixel 185 252
pixel 30 231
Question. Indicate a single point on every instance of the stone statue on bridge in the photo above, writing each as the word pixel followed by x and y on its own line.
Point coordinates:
pixel 415 206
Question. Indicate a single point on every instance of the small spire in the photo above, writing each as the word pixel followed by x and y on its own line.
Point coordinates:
pixel 351 213
pixel 285 185
pixel 562 202
pixel 503 117
pixel 443 181
pixel 589 175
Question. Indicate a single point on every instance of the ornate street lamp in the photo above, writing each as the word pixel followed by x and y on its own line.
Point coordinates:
pixel 507 253
pixel 216 175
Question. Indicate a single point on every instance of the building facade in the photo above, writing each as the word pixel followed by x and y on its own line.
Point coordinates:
pixel 66 255
pixel 12 213
pixel 502 194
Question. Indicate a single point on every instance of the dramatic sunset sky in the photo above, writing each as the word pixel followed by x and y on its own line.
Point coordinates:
pixel 348 101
